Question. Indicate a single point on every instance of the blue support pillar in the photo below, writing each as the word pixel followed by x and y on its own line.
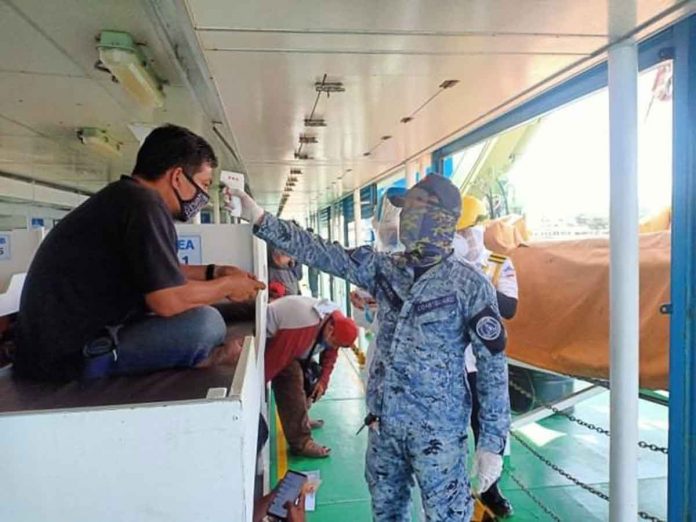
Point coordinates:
pixel 682 373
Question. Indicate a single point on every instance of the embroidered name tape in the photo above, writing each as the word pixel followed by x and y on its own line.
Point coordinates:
pixel 434 304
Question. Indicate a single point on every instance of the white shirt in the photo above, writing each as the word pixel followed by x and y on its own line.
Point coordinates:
pixel 506 284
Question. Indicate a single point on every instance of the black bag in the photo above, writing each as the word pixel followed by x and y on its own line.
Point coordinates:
pixel 311 371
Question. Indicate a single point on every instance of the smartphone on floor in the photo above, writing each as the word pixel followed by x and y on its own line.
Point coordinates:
pixel 289 489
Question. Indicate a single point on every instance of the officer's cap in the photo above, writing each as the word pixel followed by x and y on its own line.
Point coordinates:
pixel 441 188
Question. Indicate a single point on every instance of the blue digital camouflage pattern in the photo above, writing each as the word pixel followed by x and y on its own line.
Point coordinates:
pixel 426 233
pixel 417 383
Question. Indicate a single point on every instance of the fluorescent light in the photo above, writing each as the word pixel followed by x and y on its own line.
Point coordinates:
pixel 329 87
pixel 120 54
pixel 448 83
pixel 315 122
pixel 100 141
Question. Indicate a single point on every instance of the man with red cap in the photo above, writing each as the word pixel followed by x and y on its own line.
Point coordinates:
pixel 300 329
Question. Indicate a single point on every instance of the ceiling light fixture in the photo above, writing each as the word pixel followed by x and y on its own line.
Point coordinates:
pixel 315 122
pixel 308 139
pixel 100 141
pixel 329 87
pixel 119 53
pixel 448 83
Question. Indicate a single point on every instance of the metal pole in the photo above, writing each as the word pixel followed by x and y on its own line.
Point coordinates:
pixel 216 206
pixel 411 170
pixel 357 215
pixel 624 267
pixel 681 474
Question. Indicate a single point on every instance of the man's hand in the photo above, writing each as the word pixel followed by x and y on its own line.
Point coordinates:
pixel 296 510
pixel 357 301
pixel 243 286
pixel 227 270
pixel 261 506
pixel 251 211
pixel 487 468
pixel 318 391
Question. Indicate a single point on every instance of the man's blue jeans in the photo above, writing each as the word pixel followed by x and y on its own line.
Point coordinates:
pixel 157 343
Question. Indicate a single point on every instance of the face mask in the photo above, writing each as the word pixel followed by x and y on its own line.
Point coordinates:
pixel 190 207
pixel 426 233
pixel 468 244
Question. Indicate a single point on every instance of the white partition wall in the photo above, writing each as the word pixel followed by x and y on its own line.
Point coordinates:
pixel 177 461
pixel 17 249
pixel 219 244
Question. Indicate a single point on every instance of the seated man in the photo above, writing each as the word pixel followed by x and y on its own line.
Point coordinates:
pixel 106 294
pixel 300 328
pixel 282 269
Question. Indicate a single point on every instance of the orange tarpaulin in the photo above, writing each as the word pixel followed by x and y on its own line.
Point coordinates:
pixel 562 323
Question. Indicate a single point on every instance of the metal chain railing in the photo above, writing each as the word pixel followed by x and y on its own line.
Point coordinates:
pixel 642 514
pixel 534 498
pixel 559 470
pixel 577 420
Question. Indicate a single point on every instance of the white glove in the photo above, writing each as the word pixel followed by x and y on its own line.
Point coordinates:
pixel 487 468
pixel 251 211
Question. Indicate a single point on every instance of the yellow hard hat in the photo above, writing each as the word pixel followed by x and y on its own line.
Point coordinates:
pixel 473 211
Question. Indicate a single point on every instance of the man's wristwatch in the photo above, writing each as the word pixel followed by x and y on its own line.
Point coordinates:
pixel 210 272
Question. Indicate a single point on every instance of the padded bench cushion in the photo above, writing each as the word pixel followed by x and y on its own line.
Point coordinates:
pixel 18 395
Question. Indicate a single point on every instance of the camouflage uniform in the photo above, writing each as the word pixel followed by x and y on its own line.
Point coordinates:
pixel 417 384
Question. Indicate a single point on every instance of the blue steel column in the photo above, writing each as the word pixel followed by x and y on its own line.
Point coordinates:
pixel 682 372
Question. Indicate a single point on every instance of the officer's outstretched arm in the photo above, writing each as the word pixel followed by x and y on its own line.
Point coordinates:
pixel 357 266
pixel 488 341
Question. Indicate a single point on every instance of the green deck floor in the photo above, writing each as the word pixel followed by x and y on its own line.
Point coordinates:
pixel 343 495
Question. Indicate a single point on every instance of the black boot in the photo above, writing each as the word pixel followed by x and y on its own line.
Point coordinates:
pixel 496 502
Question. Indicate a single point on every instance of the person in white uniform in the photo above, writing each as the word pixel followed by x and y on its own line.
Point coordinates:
pixel 469 246
pixel 385 223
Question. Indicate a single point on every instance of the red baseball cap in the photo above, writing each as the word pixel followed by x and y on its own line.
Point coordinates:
pixel 277 289
pixel 345 332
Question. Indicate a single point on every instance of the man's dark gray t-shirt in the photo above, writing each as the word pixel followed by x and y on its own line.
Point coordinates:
pixel 93 270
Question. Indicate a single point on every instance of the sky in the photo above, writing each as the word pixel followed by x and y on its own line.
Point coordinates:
pixel 565 168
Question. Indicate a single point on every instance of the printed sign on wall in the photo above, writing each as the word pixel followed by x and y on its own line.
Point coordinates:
pixel 5 247
pixel 189 250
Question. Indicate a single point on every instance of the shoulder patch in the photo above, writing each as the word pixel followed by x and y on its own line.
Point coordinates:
pixel 488 327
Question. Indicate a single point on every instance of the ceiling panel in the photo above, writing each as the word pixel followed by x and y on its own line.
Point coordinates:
pixel 454 16
pixel 74 25
pixel 49 88
pixel 391 56
pixel 277 92
pixel 25 49
pixel 245 41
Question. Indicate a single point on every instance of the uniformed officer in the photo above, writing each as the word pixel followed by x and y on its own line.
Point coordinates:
pixel 431 306
pixel 469 246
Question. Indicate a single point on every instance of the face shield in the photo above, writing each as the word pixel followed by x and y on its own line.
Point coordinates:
pixel 468 244
pixel 386 228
